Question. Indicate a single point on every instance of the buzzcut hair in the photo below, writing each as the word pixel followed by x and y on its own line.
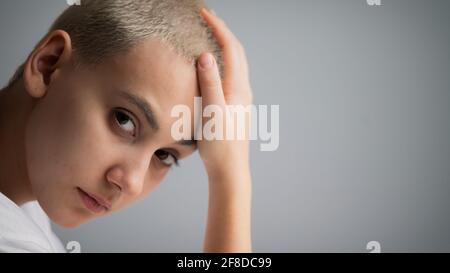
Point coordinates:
pixel 103 28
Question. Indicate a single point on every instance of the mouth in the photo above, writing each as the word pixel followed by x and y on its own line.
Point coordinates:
pixel 93 203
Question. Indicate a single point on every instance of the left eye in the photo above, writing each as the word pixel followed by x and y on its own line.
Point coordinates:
pixel 125 122
pixel 166 158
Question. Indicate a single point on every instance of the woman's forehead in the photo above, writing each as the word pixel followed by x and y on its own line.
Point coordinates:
pixel 156 75
pixel 153 65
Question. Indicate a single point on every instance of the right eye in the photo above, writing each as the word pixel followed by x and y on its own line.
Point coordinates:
pixel 167 158
pixel 125 122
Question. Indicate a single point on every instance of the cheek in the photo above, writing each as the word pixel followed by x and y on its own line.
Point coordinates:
pixel 44 147
pixel 63 147
pixel 154 178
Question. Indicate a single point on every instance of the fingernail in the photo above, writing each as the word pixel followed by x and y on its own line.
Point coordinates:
pixel 205 61
pixel 213 12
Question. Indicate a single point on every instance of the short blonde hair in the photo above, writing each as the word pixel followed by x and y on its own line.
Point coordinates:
pixel 102 28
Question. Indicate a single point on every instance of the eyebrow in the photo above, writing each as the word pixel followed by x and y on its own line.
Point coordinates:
pixel 146 109
pixel 143 105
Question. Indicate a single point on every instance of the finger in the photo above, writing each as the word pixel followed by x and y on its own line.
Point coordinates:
pixel 230 45
pixel 220 30
pixel 209 81
pixel 232 52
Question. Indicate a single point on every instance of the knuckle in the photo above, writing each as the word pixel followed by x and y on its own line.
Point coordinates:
pixel 209 82
pixel 222 22
pixel 237 46
pixel 242 49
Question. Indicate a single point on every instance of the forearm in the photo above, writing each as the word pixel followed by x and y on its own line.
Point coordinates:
pixel 229 213
pixel 226 161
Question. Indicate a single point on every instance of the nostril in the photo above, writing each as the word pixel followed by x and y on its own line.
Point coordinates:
pixel 115 177
pixel 118 187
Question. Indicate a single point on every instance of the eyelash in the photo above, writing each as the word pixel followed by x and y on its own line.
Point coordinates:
pixel 129 116
pixel 175 159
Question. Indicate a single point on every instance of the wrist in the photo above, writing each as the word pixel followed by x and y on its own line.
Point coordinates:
pixel 232 181
pixel 229 169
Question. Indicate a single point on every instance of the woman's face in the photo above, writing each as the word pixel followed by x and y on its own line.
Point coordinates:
pixel 94 146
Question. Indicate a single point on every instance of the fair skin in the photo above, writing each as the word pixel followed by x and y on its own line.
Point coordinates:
pixel 66 132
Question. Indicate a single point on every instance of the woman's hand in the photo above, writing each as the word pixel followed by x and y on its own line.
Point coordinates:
pixel 220 155
pixel 226 161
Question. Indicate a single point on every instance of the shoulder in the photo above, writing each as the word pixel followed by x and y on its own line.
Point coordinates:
pixel 19 232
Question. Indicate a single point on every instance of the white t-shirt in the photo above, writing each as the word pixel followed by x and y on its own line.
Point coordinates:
pixel 26 228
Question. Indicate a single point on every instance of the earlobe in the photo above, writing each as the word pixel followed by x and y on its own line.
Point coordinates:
pixel 54 51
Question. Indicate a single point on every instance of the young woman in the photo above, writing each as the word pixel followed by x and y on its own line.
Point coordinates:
pixel 85 123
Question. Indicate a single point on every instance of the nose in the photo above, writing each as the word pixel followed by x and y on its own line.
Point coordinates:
pixel 129 176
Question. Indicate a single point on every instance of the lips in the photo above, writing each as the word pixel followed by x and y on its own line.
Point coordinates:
pixel 94 203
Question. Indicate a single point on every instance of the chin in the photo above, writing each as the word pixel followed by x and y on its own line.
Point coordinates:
pixel 66 217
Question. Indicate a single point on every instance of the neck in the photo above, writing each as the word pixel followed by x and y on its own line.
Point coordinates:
pixel 15 106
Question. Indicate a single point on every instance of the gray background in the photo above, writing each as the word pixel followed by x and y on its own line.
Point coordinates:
pixel 364 154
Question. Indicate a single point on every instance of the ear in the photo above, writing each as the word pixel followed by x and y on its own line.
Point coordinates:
pixel 52 53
